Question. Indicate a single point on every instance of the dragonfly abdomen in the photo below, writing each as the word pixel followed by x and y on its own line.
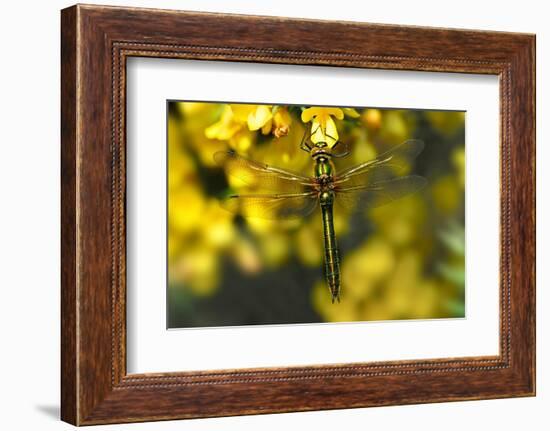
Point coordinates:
pixel 332 258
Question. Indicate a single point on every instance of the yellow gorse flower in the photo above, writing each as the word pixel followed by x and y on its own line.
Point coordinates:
pixel 231 127
pixel 238 122
pixel 281 122
pixel 255 116
pixel 323 127
pixel 351 112
pixel 225 128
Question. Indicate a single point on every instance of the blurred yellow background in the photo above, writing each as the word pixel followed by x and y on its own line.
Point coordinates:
pixel 404 260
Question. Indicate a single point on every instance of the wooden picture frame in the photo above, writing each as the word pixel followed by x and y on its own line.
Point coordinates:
pixel 96 41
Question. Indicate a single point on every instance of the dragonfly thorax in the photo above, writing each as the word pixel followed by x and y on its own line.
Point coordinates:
pixel 324 179
pixel 323 167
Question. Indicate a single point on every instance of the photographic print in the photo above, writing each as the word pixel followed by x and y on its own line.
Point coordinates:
pixel 286 214
pixel 292 216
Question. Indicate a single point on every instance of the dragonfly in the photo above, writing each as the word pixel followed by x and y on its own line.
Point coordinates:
pixel 280 194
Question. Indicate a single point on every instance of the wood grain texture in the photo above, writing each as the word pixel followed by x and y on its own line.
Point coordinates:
pixel 69 371
pixel 96 41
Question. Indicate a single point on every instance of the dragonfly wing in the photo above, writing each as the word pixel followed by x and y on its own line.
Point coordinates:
pixel 408 150
pixel 385 167
pixel 274 206
pixel 260 175
pixel 379 193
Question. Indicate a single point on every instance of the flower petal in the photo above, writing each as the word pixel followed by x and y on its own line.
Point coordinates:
pixel 259 117
pixel 331 132
pixel 350 112
pixel 281 122
pixel 225 128
pixel 335 112
pixel 317 129
pixel 241 111
pixel 266 128
pixel 316 111
pixel 309 113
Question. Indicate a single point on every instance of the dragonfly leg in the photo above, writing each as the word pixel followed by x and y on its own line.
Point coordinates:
pixel 336 154
pixel 304 144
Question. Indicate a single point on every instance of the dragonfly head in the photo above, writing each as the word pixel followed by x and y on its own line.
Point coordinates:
pixel 321 149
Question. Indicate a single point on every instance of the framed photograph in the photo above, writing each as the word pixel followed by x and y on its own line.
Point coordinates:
pixel 255 223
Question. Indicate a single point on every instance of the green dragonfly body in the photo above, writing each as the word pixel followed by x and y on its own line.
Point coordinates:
pixel 281 194
pixel 324 169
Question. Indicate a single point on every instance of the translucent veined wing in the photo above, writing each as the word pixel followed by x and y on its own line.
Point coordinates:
pixel 262 176
pixel 378 193
pixel 385 167
pixel 272 206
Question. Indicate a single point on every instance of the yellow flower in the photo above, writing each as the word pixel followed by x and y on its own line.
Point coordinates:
pixel 231 125
pixel 401 222
pixel 351 112
pixel 255 116
pixel 225 128
pixel 372 118
pixel 395 128
pixel 246 256
pixel 275 249
pixel 309 244
pixel 242 141
pixel 217 225
pixel 185 208
pixel 193 108
pixel 281 122
pixel 373 261
pixel 198 269
pixel 323 127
